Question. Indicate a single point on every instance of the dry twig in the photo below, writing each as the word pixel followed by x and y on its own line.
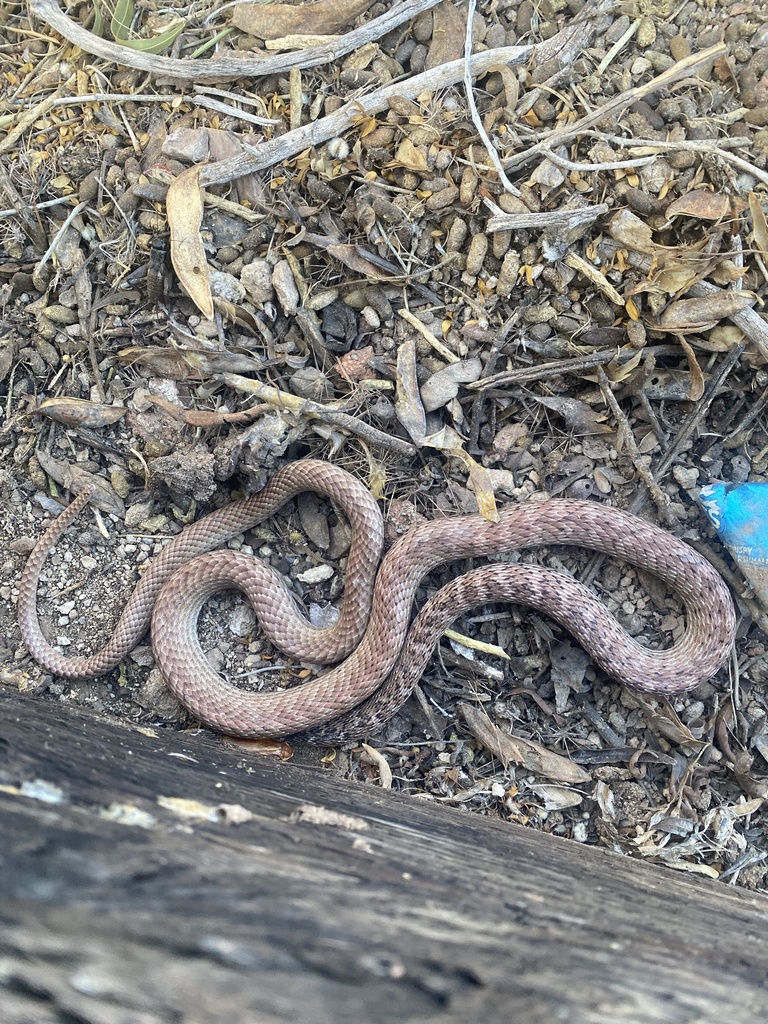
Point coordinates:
pixel 223 68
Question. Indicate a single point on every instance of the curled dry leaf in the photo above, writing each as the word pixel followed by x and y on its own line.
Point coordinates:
pixel 516 750
pixel 184 207
pixel 689 315
pixel 408 405
pixel 77 412
pixel 379 762
pixel 185 364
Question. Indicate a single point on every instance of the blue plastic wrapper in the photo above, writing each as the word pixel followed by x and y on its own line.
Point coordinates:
pixel 740 516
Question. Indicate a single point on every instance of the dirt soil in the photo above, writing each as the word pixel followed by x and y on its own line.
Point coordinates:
pixel 552 289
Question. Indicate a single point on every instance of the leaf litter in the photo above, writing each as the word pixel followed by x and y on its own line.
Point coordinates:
pixel 549 283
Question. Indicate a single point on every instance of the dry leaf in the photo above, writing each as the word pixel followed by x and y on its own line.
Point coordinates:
pixel 511 85
pixel 260 747
pixel 674 279
pixel 515 750
pixel 665 722
pixel 409 157
pixel 408 407
pixel 356 259
pixel 380 762
pixel 204 417
pixel 580 420
pixel 759 225
pixel 705 205
pixel 448 29
pixel 697 377
pixel 297 41
pixel 410 412
pixel 627 229
pixel 185 364
pixel 236 314
pixel 447 440
pixel 7 356
pixel 77 479
pixel 546 174
pixel 690 315
pixel 316 814
pixel 443 385
pixel 272 21
pixel 556 798
pixel 77 412
pixel 184 207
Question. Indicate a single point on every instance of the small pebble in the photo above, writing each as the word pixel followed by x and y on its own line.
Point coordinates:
pixel 323 616
pixel 242 620
pixel 317 574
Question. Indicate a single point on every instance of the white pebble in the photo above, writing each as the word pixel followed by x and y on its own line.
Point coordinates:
pixel 242 620
pixel 316 574
pixel 323 616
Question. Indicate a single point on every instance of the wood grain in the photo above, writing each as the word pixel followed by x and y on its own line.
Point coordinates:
pixel 418 913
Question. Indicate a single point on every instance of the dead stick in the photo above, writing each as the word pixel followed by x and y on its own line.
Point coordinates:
pixel 218 68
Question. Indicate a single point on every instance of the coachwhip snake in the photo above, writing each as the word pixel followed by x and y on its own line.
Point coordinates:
pixel 384 659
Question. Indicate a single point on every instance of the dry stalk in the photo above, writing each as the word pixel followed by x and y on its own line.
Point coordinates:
pixel 555 368
pixel 640 462
pixel 474 112
pixel 567 217
pixel 24 123
pixel 221 68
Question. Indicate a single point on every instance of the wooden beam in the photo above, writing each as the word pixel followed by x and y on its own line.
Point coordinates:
pixel 116 908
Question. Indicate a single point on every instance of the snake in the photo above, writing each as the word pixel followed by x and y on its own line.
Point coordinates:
pixel 376 651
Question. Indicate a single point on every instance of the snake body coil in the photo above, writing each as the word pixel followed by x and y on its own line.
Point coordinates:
pixel 384 659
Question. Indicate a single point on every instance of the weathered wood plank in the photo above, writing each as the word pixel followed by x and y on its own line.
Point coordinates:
pixel 418 913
